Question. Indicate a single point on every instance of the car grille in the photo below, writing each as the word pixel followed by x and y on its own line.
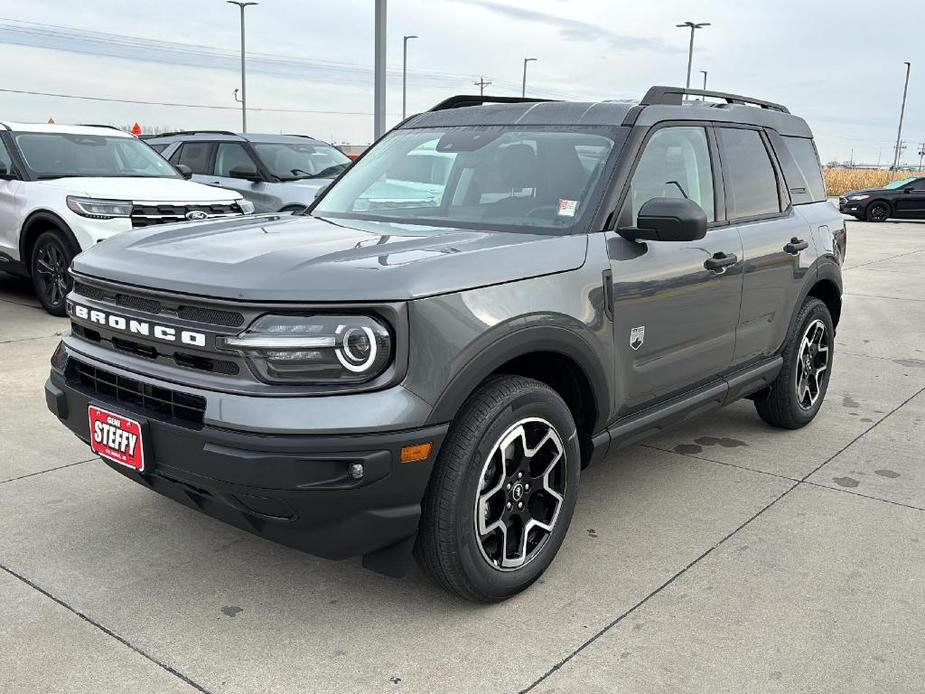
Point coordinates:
pixel 154 401
pixel 211 316
pixel 144 215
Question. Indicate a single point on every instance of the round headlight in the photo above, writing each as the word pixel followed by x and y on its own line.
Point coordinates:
pixel 358 348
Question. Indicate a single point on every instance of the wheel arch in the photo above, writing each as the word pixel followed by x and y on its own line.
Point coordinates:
pixel 554 356
pixel 871 203
pixel 37 223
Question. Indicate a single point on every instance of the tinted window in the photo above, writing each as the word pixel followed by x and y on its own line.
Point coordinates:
pixel 196 155
pixel 751 183
pixel 804 154
pixel 231 155
pixel 158 148
pixel 674 164
pixel 5 160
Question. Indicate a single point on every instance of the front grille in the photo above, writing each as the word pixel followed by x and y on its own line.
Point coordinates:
pixel 212 316
pixel 166 213
pixel 150 351
pixel 154 401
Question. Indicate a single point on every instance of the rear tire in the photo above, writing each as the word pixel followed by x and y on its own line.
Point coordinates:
pixel 878 212
pixel 797 393
pixel 51 258
pixel 502 492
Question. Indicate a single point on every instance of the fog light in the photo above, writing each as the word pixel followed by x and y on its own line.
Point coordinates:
pixel 356 470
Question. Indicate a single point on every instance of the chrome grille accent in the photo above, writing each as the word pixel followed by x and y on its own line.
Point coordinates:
pixel 148 214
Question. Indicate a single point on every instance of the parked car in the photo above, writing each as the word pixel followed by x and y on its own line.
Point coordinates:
pixel 902 199
pixel 383 379
pixel 278 173
pixel 65 188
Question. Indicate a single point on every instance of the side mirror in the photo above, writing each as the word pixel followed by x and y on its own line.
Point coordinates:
pixel 668 219
pixel 185 171
pixel 247 173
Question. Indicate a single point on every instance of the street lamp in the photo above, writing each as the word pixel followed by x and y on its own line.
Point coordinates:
pixel 902 112
pixel 242 5
pixel 404 73
pixel 379 70
pixel 523 91
pixel 690 54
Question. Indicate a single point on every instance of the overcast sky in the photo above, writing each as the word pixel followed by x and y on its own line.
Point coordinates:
pixel 825 60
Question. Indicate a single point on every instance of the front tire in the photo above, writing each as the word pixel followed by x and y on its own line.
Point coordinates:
pixel 796 395
pixel 502 492
pixel 51 258
pixel 878 212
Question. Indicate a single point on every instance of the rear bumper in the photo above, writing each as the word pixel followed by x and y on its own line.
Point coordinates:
pixel 295 489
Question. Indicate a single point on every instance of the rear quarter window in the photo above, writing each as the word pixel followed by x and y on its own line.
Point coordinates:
pixel 751 180
pixel 803 151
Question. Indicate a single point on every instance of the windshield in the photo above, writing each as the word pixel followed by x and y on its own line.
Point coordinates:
pixel 294 161
pixel 477 177
pixel 56 155
pixel 898 184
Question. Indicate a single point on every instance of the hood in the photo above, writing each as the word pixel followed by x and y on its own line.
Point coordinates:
pixel 868 191
pixel 141 189
pixel 301 258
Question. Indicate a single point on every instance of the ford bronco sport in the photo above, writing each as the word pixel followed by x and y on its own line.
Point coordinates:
pixel 428 375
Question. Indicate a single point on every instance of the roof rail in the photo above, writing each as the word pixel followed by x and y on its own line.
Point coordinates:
pixel 308 137
pixel 464 100
pixel 195 132
pixel 674 96
pixel 102 125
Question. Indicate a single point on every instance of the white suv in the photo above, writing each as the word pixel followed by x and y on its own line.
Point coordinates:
pixel 66 188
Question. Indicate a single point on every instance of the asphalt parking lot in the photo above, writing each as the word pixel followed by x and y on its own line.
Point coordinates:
pixel 724 556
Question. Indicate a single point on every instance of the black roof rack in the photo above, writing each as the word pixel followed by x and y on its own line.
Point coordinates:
pixel 309 137
pixel 102 125
pixel 195 132
pixel 674 96
pixel 464 100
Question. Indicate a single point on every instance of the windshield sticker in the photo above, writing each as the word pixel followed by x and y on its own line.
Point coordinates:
pixel 567 208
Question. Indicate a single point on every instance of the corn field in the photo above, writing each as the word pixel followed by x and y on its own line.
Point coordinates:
pixel 839 180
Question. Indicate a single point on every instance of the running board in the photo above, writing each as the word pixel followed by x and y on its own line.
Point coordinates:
pixel 654 420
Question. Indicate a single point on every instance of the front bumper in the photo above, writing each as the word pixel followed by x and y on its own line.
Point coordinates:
pixel 852 207
pixel 295 489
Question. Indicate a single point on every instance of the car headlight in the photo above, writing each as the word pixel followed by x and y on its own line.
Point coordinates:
pixel 247 207
pixel 858 197
pixel 315 349
pixel 98 208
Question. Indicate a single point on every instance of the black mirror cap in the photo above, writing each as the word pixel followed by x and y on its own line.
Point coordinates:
pixel 185 171
pixel 669 219
pixel 246 173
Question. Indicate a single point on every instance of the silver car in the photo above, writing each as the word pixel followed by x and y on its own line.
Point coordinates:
pixel 278 173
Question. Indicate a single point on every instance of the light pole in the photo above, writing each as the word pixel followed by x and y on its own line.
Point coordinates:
pixel 902 112
pixel 694 26
pixel 704 73
pixel 242 5
pixel 379 72
pixel 523 91
pixel 404 73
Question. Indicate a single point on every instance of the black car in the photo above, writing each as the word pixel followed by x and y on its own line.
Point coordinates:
pixel 904 199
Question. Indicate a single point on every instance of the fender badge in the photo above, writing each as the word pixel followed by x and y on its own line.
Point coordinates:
pixel 637 337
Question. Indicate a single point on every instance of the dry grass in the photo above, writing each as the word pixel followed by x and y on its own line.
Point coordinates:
pixel 839 180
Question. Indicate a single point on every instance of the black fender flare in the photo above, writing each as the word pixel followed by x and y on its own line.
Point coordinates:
pixel 517 343
pixel 52 219
pixel 824 269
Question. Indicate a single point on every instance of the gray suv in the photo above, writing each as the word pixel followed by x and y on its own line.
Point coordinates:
pixel 278 173
pixel 427 373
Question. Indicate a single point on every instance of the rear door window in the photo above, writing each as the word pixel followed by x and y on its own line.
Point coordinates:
pixel 751 180
pixel 804 154
pixel 196 155
pixel 231 155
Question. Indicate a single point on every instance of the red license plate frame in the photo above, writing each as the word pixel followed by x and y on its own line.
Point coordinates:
pixel 116 437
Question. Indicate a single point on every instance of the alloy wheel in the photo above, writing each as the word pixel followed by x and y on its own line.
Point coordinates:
pixel 520 494
pixel 879 212
pixel 51 265
pixel 812 364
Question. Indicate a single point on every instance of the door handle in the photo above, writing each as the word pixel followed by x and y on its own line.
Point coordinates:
pixel 720 261
pixel 796 245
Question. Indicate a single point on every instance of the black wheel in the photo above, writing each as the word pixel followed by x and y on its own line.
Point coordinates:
pixel 878 212
pixel 502 492
pixel 797 394
pixel 51 257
